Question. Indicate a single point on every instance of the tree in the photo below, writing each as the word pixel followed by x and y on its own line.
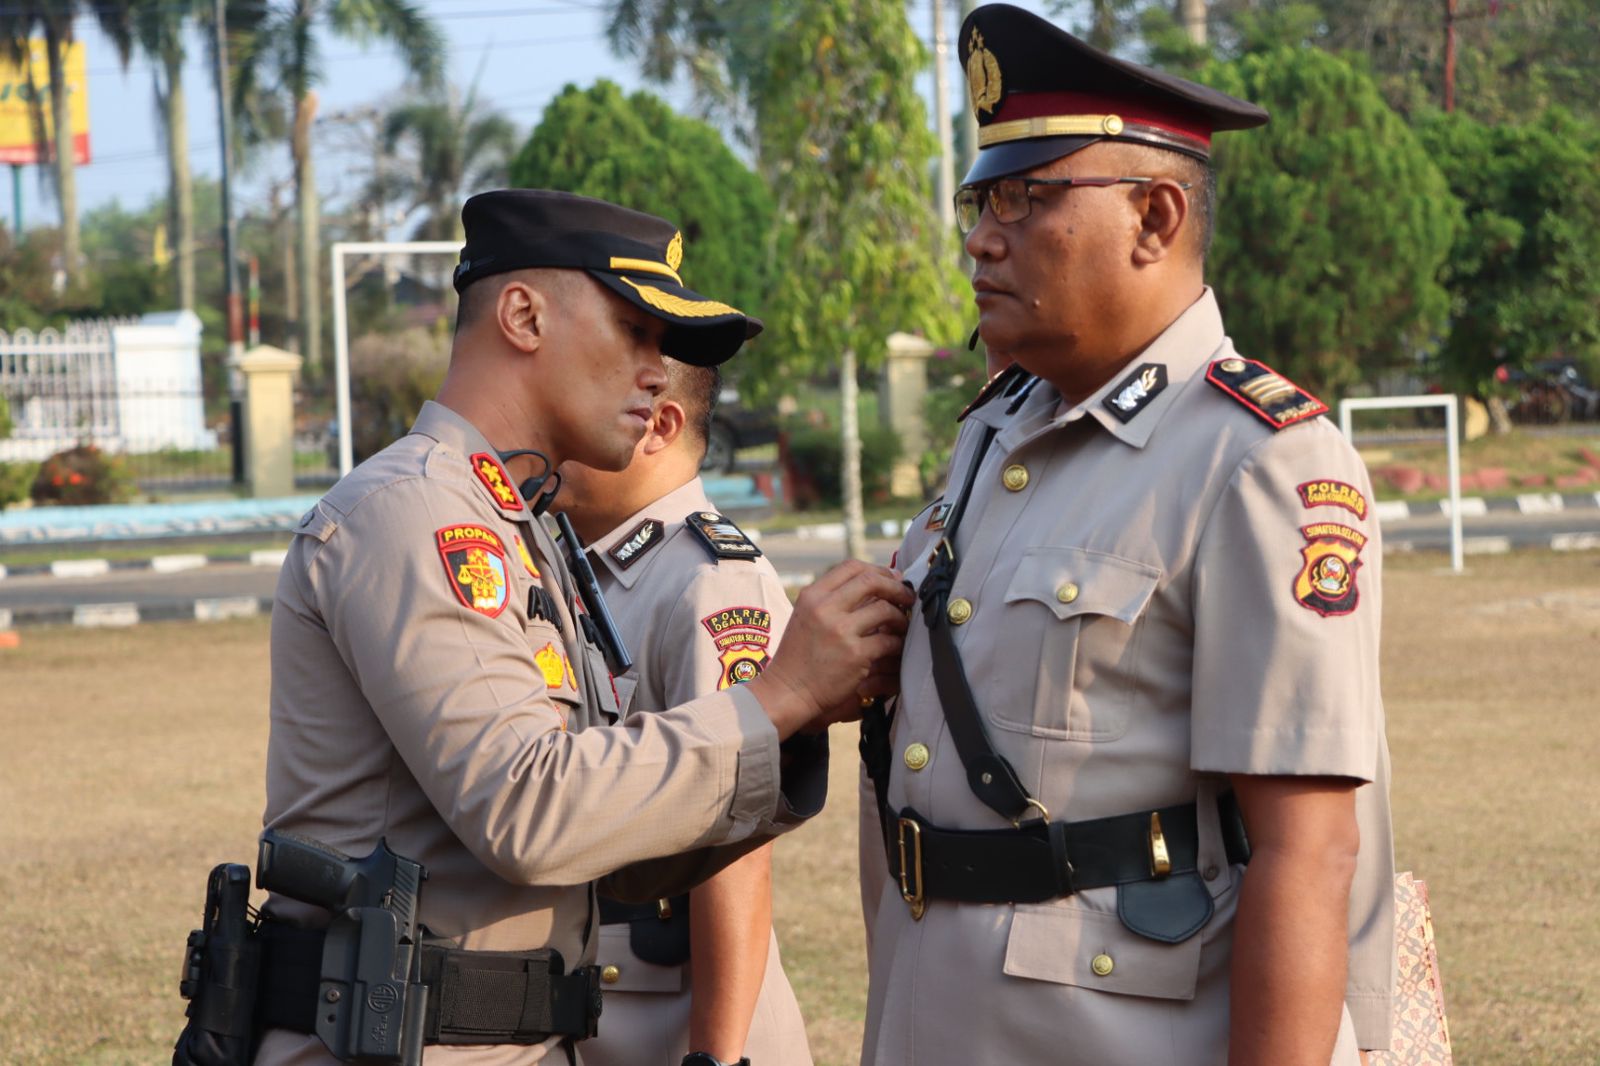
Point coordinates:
pixel 1524 275
pixel 159 27
pixel 1332 224
pixel 53 20
pixel 848 147
pixel 458 146
pixel 283 49
pixel 635 150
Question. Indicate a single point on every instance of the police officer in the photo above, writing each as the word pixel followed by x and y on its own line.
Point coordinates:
pixel 1117 795
pixel 701 610
pixel 431 684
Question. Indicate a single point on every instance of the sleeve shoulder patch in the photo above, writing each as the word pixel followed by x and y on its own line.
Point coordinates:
pixel 474 560
pixel 741 636
pixel 721 537
pixel 1264 392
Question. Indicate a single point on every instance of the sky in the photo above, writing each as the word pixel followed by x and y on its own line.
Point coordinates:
pixel 527 53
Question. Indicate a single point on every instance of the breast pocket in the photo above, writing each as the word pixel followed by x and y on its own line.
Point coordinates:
pixel 1086 949
pixel 1087 608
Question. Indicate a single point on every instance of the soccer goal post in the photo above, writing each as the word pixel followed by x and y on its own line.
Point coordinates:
pixel 1452 450
pixel 341 326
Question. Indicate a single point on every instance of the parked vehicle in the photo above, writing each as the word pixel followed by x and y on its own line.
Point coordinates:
pixel 734 426
pixel 1554 392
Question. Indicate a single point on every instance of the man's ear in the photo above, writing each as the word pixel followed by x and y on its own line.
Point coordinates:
pixel 666 426
pixel 1161 224
pixel 520 312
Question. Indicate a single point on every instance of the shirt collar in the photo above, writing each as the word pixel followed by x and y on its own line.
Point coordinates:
pixel 439 422
pixel 1183 350
pixel 669 510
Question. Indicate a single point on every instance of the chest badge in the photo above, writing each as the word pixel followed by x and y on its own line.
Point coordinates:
pixel 938 515
pixel 475 561
pixel 1327 582
pixel 493 477
pixel 1136 391
pixel 741 636
pixel 721 537
pixel 646 535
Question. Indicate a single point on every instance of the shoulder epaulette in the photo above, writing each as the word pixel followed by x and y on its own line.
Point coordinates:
pixel 721 537
pixel 1003 383
pixel 1268 395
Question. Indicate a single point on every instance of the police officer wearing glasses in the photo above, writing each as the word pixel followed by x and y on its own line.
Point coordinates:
pixel 1114 810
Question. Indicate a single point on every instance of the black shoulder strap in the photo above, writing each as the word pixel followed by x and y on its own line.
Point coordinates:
pixel 991 778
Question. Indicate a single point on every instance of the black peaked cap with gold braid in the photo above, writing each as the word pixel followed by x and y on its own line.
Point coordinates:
pixel 1040 93
pixel 635 255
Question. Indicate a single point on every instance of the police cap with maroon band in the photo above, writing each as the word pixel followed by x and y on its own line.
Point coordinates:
pixel 1039 93
pixel 635 255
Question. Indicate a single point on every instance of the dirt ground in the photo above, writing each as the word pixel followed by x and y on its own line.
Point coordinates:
pixel 131 764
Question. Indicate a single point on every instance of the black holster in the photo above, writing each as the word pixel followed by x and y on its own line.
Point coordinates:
pixel 220 976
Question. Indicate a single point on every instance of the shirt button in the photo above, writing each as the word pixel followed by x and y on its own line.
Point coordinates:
pixel 1210 872
pixel 611 975
pixel 959 611
pixel 1067 592
pixel 1102 965
pixel 1015 477
pixel 917 756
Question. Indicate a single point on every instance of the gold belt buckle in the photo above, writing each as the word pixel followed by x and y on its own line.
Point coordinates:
pixel 913 897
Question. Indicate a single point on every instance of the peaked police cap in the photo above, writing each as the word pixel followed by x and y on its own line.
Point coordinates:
pixel 1040 93
pixel 635 255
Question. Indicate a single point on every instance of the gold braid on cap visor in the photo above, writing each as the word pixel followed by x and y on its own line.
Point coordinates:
pixel 1022 129
pixel 672 304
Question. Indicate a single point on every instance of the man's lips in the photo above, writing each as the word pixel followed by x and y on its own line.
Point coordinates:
pixel 641 413
pixel 983 288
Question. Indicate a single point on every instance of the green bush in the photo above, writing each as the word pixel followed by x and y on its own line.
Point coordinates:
pixel 16 479
pixel 81 475
pixel 815 460
pixel 391 376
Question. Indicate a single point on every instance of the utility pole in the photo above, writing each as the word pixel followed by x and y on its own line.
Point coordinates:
pixel 1449 55
pixel 969 118
pixel 945 187
pixel 229 237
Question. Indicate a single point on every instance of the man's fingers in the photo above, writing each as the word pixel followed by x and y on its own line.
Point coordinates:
pixel 836 576
pixel 877 616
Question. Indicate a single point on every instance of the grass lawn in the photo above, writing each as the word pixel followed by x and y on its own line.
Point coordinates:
pixel 125 782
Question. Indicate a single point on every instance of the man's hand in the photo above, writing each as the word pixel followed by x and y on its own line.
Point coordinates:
pixel 842 642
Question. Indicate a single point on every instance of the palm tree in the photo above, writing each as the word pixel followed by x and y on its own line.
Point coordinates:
pixel 20 20
pixel 158 26
pixel 457 148
pixel 283 51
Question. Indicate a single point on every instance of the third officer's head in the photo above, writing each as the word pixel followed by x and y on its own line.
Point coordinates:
pixel 567 307
pixel 1088 210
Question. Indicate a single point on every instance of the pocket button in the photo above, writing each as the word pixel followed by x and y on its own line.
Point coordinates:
pixel 1102 965
pixel 1067 592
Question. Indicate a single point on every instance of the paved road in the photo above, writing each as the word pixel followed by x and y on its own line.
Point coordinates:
pixel 793 556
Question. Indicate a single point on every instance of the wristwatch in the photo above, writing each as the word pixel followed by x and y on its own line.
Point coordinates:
pixel 701 1058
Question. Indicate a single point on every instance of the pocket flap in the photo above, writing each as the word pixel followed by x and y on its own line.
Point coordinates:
pixel 633 973
pixel 1077 581
pixel 1088 949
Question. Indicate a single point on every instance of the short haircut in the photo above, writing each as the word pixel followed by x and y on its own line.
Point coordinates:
pixel 1202 182
pixel 479 297
pixel 695 389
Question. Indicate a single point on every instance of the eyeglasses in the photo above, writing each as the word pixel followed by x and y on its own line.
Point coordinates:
pixel 1011 200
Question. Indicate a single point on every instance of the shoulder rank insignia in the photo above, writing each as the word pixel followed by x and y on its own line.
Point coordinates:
pixel 475 561
pixel 1002 383
pixel 1273 398
pixel 722 538
pixel 632 548
pixel 497 481
pixel 1327 582
pixel 741 636
pixel 1134 393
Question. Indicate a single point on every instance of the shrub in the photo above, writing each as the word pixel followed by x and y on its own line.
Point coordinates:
pixel 815 458
pixel 81 475
pixel 391 376
pixel 16 479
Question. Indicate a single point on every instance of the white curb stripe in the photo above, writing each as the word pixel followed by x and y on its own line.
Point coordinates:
pixel 824 531
pixel 171 564
pixel 795 580
pixel 223 607
pixel 1471 507
pixel 1539 503
pixel 269 557
pixel 3 571
pixel 1391 510
pixel 1575 542
pixel 106 614
pixel 5 618
pixel 1486 545
pixel 79 567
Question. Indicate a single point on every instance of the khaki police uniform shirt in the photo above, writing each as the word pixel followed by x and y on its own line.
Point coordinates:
pixel 422 694
pixel 1141 627
pixel 693 624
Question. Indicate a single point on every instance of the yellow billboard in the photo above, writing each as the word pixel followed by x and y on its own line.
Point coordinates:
pixel 17 112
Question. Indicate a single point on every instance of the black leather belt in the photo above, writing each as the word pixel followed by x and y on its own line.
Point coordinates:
pixel 1042 860
pixel 475 997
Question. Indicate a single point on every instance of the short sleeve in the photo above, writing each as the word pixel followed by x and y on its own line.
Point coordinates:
pixel 1287 612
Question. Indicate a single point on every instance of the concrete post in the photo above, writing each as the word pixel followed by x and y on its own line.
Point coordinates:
pixel 900 395
pixel 268 374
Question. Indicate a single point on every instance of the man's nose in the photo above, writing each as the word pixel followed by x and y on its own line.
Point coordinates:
pixel 986 241
pixel 653 374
